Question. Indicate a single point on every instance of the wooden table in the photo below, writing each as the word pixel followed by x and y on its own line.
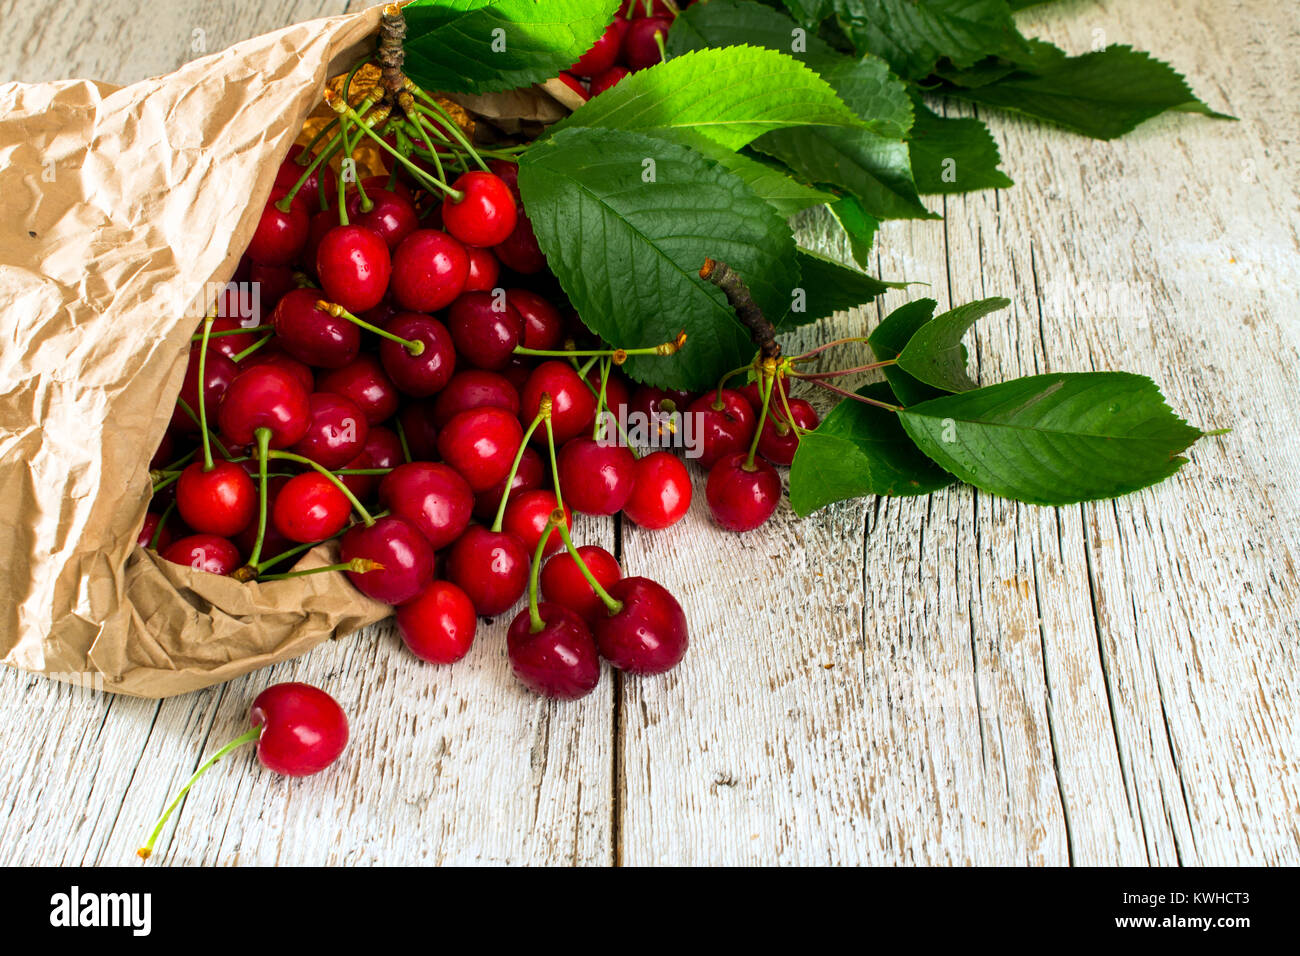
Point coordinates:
pixel 949 679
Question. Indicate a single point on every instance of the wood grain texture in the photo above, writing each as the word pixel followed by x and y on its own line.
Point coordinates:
pixel 945 679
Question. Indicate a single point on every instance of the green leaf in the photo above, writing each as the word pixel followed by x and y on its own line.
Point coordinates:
pixel 859 450
pixel 954 155
pixel 627 246
pixel 481 46
pixel 731 96
pixel 891 336
pixel 1103 94
pixel 935 354
pixel 829 288
pixel 859 227
pixel 809 13
pixel 1055 439
pixel 913 35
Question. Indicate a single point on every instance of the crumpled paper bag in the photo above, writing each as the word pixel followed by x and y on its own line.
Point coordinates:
pixel 118 208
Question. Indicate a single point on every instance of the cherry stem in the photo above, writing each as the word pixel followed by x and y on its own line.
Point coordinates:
pixel 332 147
pixel 164 482
pixel 767 378
pixel 550 447
pixel 435 109
pixel 365 205
pixel 300 459
pixel 185 407
pixel 344 110
pixel 622 432
pixel 343 186
pixel 198 336
pixel 306 156
pixel 811 353
pixel 854 395
pixel 401 438
pixel 613 605
pixel 147 850
pixel 535 622
pixel 182 461
pixel 618 356
pixel 544 411
pixel 203 387
pixel 413 346
pixel 356 566
pixel 845 371
pixel 162 521
pixel 294 552
pixel 598 430
pixel 263 436
pixel 240 356
pixel 722 382
pixel 424 135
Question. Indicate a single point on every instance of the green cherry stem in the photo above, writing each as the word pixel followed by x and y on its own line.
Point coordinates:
pixel 618 356
pixel 433 152
pixel 203 387
pixel 194 416
pixel 550 447
pixel 836 373
pixel 613 605
pixel 198 336
pixel 434 109
pixel 722 383
pixel 263 437
pixel 294 552
pixel 622 432
pixel 344 110
pixel 247 738
pixel 598 429
pixel 401 437
pixel 163 482
pixel 240 356
pixel 812 353
pixel 544 411
pixel 413 346
pixel 357 506
pixel 854 395
pixel 766 378
pixel 356 566
pixel 330 148
pixel 162 521
pixel 535 622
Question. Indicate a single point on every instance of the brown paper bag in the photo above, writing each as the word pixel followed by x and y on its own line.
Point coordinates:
pixel 118 207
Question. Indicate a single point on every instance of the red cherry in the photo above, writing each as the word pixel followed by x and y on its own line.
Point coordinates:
pixel 662 494
pixel 416 419
pixel 562 582
pixel 384 448
pixel 290 172
pixel 596 478
pixel 519 250
pixel 558 661
pixel 741 499
pixel 273 283
pixel 221 501
pixel 280 236
pixel 304 730
pixel 778 441
pixel 310 508
pixel 271 354
pixel 607 80
pixel 483 270
pixel 543 324
pixel 428 372
pixel 648 636
pixel 474 388
pixel 481 444
pixel 573 407
pixel 354 267
pixel 218 373
pixel 312 335
pixel 517 372
pixel 438 624
pixel 166 450
pixel 365 382
pixel 575 84
pixel 429 271
pixel 402 551
pixel 264 397
pixel 640 46
pixel 489 566
pixel 485 215
pixel 204 552
pixel 337 431
pixel 724 426
pixel 486 328
pixel 526 516
pixel 662 411
pixel 392 217
pixel 432 497
pixel 603 53
pixel 530 474
pixel 145 537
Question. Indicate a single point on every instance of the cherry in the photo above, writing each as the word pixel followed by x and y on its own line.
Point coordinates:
pixel 221 501
pixel 641 41
pixel 483 270
pixel 575 84
pixel 563 583
pixel 336 433
pixel 491 567
pixel 429 271
pixel 662 494
pixel 271 354
pixel 384 447
pixel 742 498
pixel 519 250
pixel 365 382
pixel 290 172
pixel 481 444
pixel 517 372
pixel 607 80
pixel 416 419
pixel 530 474
pixel 543 324
pixel 438 624
pixel 596 477
pixel 662 410
pixel 230 345
pixel 777 441
pixel 526 516
pixel 312 335
pixel 392 217
pixel 204 552
pixel 603 53
pixel 432 497
pixel 573 407
pixel 354 266
pixel 725 425
pixel 486 328
pixel 218 373
pixel 264 397
pixel 304 730
pixel 648 634
pixel 145 538
pixel 558 661
pixel 310 508
pixel 321 223
pixel 403 553
pixel 427 372
pixel 474 388
pixel 486 212
pixel 166 450
pixel 280 236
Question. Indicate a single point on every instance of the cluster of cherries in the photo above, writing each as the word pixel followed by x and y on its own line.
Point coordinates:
pixel 633 41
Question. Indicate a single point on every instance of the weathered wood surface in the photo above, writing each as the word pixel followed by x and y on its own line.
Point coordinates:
pixel 949 679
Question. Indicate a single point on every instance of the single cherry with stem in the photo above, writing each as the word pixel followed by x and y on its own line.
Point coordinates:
pixel 564 583
pixel 484 214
